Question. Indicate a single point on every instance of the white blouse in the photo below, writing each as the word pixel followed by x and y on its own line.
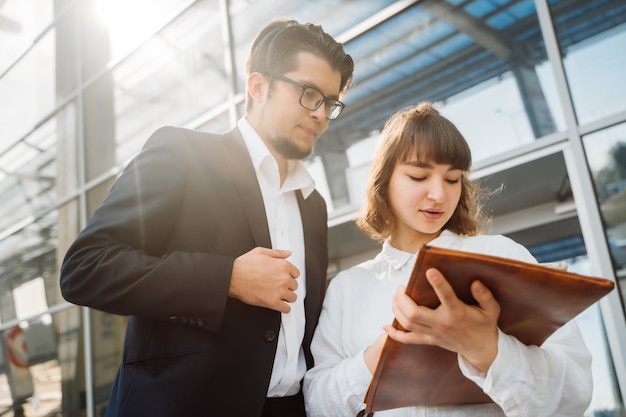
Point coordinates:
pixel 551 380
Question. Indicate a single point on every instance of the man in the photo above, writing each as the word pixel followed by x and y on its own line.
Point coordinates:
pixel 216 245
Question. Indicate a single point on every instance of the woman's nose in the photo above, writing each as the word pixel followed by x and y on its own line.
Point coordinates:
pixel 436 191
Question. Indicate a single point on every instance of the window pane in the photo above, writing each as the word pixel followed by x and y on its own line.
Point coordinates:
pixel 592 38
pixel 177 76
pixel 484 62
pixel 27 91
pixel 518 104
pixel 606 400
pixel 606 155
pixel 493 118
pixel 28 255
pixel 128 23
pixel 21 22
pixel 28 172
pixel 39 367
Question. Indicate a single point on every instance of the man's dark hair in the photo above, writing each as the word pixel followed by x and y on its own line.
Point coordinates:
pixel 276 46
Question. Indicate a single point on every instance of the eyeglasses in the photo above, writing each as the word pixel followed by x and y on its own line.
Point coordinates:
pixel 311 98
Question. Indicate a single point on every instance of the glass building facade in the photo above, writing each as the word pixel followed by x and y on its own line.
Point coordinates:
pixel 537 87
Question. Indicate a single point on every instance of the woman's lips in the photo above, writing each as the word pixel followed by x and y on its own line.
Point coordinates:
pixel 432 214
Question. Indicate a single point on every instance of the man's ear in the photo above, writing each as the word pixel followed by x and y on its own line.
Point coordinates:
pixel 257 85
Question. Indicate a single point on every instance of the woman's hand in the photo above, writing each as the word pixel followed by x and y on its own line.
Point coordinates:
pixel 469 330
pixel 372 353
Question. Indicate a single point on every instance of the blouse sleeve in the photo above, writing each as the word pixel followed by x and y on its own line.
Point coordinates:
pixel 337 384
pixel 551 380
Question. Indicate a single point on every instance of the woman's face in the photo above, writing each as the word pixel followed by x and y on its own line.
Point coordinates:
pixel 423 196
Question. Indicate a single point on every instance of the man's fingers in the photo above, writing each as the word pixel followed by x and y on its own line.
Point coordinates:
pixel 266 278
pixel 289 296
pixel 275 253
pixel 285 254
pixel 283 307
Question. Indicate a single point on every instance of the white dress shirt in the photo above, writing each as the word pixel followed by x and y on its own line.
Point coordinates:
pixel 285 227
pixel 553 380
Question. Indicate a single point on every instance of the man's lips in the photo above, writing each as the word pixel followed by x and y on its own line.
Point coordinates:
pixel 309 131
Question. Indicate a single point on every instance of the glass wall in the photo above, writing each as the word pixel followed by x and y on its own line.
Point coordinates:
pixel 593 63
pixel 84 83
pixel 27 92
pixel 172 79
pixel 606 153
pixel 22 23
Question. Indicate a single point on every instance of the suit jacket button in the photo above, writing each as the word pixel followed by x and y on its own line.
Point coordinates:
pixel 200 322
pixel 183 319
pixel 192 321
pixel 270 335
pixel 174 318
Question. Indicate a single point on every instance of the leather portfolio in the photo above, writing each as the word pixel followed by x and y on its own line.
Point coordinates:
pixel 535 300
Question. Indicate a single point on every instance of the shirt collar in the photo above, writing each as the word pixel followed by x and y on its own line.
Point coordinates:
pixel 396 257
pixel 445 239
pixel 298 177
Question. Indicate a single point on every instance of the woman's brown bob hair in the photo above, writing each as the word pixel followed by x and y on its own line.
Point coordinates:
pixel 419 132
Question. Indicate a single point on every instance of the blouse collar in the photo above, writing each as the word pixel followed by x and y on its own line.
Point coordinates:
pixel 396 257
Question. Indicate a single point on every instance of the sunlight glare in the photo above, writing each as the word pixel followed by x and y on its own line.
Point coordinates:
pixel 131 22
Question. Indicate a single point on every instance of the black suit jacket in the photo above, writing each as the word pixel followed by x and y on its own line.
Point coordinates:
pixel 160 249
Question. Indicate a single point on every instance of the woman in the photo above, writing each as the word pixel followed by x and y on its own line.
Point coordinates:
pixel 419 193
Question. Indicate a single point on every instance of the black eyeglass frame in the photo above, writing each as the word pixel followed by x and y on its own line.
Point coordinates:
pixel 331 103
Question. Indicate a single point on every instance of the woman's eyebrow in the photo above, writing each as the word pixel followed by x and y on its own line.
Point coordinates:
pixel 429 165
pixel 419 164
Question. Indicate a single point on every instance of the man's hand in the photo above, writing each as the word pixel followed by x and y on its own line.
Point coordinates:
pixel 264 277
pixel 469 330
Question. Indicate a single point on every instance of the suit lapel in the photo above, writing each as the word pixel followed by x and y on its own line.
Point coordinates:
pixel 240 166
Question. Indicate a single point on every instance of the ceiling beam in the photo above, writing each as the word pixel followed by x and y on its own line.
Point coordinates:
pixel 476 29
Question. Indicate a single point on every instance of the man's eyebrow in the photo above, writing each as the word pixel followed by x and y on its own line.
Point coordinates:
pixel 314 86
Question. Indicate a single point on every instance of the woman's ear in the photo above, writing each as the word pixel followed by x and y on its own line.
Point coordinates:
pixel 257 86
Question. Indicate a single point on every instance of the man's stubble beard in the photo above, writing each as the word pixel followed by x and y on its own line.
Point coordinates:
pixel 290 150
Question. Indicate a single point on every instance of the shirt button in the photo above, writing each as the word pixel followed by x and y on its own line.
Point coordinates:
pixel 269 335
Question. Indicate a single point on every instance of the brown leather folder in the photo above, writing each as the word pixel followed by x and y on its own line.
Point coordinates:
pixel 535 300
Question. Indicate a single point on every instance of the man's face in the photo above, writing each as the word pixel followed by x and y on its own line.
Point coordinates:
pixel 288 129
